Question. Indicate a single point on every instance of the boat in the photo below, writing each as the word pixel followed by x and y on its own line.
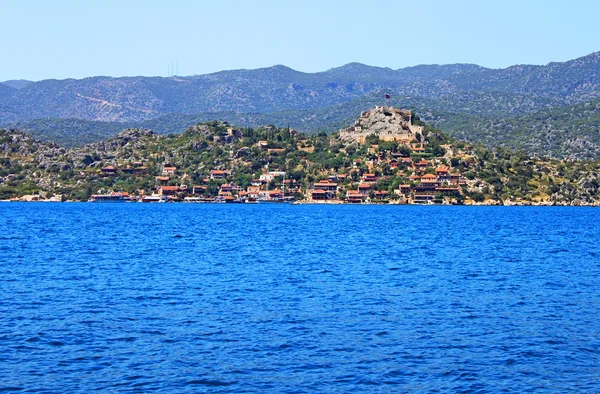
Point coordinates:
pixel 154 198
pixel 284 199
pixel 111 197
pixel 192 199
pixel 276 196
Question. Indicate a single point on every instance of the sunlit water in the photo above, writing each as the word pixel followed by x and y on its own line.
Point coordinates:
pixel 280 298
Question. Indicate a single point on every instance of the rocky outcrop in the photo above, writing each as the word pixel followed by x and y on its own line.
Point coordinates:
pixel 388 123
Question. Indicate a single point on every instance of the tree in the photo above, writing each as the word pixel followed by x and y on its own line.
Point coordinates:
pixel 372 139
pixel 477 196
pixel 405 151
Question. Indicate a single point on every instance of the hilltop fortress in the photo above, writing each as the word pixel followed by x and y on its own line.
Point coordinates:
pixel 389 123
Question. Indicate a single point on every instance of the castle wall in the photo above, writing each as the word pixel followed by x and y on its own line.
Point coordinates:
pixel 389 123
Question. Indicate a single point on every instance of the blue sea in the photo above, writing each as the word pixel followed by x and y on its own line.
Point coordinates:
pixel 298 299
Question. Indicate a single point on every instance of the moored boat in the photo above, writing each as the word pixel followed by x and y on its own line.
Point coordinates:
pixel 111 197
pixel 154 198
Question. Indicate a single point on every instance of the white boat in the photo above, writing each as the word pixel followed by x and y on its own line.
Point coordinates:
pixel 111 197
pixel 154 198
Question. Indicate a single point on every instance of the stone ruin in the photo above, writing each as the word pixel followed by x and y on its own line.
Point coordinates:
pixel 389 123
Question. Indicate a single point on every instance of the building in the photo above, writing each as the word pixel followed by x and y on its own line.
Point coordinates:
pixel 162 180
pixel 326 186
pixel 253 191
pixel 169 190
pixel 226 187
pixel 319 194
pixel 354 197
pixel 169 170
pixel 218 174
pixel 380 194
pixel 197 189
pixel 109 170
pixel 364 188
pixel 369 178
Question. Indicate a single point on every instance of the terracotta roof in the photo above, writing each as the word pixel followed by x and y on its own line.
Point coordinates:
pixel 170 188
pixel 326 184
pixel 429 176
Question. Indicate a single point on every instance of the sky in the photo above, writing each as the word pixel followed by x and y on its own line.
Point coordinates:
pixel 60 39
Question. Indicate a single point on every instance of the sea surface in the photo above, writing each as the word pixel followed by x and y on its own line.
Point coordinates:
pixel 298 299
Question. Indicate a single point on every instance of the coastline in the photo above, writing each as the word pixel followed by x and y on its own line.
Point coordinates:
pixel 330 202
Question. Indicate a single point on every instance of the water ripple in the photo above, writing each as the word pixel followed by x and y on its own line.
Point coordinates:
pixel 298 299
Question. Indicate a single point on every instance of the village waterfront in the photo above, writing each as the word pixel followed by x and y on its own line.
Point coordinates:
pixel 298 298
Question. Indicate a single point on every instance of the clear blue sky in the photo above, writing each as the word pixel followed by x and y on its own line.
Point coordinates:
pixel 80 38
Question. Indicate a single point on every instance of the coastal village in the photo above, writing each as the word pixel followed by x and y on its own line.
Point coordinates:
pixel 367 181
pixel 387 156
pixel 427 185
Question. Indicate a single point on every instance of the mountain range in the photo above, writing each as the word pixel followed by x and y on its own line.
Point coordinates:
pixel 465 100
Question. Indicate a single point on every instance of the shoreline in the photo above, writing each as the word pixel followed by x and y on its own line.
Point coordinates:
pixel 495 204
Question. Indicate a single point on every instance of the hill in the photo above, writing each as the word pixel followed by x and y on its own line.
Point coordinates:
pixel 559 132
pixel 571 132
pixel 215 160
pixel 520 89
pixel 16 83
pixel 465 100
pixel 6 91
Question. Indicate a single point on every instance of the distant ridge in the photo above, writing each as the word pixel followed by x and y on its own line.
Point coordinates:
pixel 17 83
pixel 443 94
pixel 280 88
